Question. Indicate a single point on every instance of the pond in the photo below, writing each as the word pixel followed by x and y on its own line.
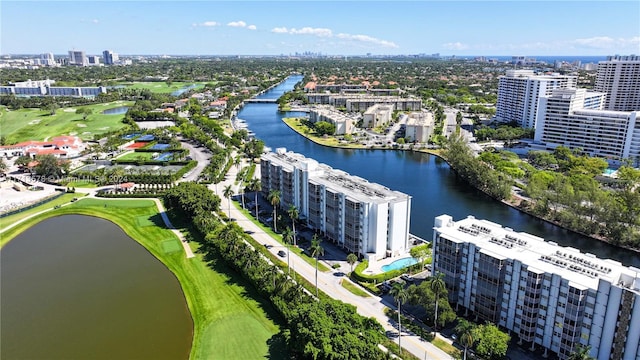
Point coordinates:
pixel 116 111
pixel 77 287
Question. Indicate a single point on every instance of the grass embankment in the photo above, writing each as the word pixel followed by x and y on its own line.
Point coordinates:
pixel 269 231
pixel 162 87
pixel 230 320
pixel 35 124
pixel 446 347
pixel 355 290
pixel 332 141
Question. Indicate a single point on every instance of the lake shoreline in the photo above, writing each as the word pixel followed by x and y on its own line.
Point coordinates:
pixel 437 153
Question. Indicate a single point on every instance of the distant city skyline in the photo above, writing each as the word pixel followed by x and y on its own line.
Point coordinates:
pixel 461 28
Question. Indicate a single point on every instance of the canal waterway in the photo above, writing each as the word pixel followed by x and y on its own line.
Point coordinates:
pixel 433 186
pixel 77 287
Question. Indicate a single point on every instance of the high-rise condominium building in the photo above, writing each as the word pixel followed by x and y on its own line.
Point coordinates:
pixel 78 58
pixel 619 77
pixel 364 218
pixel 574 118
pixel 519 92
pixel 47 59
pixel 109 57
pixel 549 297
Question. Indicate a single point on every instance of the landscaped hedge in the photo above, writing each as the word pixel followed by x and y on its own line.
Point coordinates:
pixel 358 275
pixel 129 194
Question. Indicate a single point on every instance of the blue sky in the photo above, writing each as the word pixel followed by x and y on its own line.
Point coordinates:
pixel 460 28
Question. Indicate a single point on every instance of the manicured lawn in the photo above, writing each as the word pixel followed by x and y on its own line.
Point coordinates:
pixel 230 320
pixel 355 290
pixel 445 346
pixel 35 124
pixel 161 86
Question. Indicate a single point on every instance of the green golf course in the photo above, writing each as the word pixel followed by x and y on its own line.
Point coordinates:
pixel 35 124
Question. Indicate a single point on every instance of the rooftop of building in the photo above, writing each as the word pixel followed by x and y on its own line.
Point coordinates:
pixel 353 187
pixel 582 270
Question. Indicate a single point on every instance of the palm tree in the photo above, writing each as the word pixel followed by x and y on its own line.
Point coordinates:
pixel 273 272
pixel 228 192
pixel 580 352
pixel 316 251
pixel 466 340
pixel 287 237
pixel 274 199
pixel 351 259
pixel 255 185
pixel 400 294
pixel 438 286
pixel 293 214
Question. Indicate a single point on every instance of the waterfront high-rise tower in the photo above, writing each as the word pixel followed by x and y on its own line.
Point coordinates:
pixel 519 92
pixel 619 77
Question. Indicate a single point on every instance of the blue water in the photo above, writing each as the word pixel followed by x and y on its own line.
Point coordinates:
pixel 548 59
pixel 183 90
pixel 116 111
pixel 433 187
pixel 160 147
pixel 399 264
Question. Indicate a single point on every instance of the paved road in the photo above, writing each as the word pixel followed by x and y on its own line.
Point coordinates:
pixel 328 282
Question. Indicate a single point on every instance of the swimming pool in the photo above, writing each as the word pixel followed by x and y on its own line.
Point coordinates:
pixel 399 264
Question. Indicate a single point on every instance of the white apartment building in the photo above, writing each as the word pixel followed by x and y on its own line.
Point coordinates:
pixel 344 124
pixel 364 218
pixel 546 295
pixel 419 126
pixel 78 58
pixel 619 77
pixel 377 115
pixel 361 102
pixel 519 92
pixel 574 118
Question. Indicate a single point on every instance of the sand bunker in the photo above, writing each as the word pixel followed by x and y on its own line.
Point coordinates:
pixel 69 110
pixel 81 125
pixel 34 122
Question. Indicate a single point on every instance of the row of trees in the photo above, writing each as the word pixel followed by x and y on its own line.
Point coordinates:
pixel 474 170
pixel 316 328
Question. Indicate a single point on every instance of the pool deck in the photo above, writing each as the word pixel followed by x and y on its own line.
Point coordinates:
pixel 376 267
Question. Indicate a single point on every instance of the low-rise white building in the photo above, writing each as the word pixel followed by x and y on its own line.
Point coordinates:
pixel 377 115
pixel 344 123
pixel 419 126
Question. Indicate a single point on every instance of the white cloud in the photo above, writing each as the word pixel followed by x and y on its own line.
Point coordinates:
pixel 251 27
pixel 321 32
pixel 367 39
pixel 328 33
pixel 208 24
pixel 280 30
pixel 455 46
pixel 605 42
pixel 237 24
pixel 95 21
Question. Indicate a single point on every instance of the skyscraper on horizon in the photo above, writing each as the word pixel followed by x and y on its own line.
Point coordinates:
pixel 78 58
pixel 109 57
pixel 619 77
